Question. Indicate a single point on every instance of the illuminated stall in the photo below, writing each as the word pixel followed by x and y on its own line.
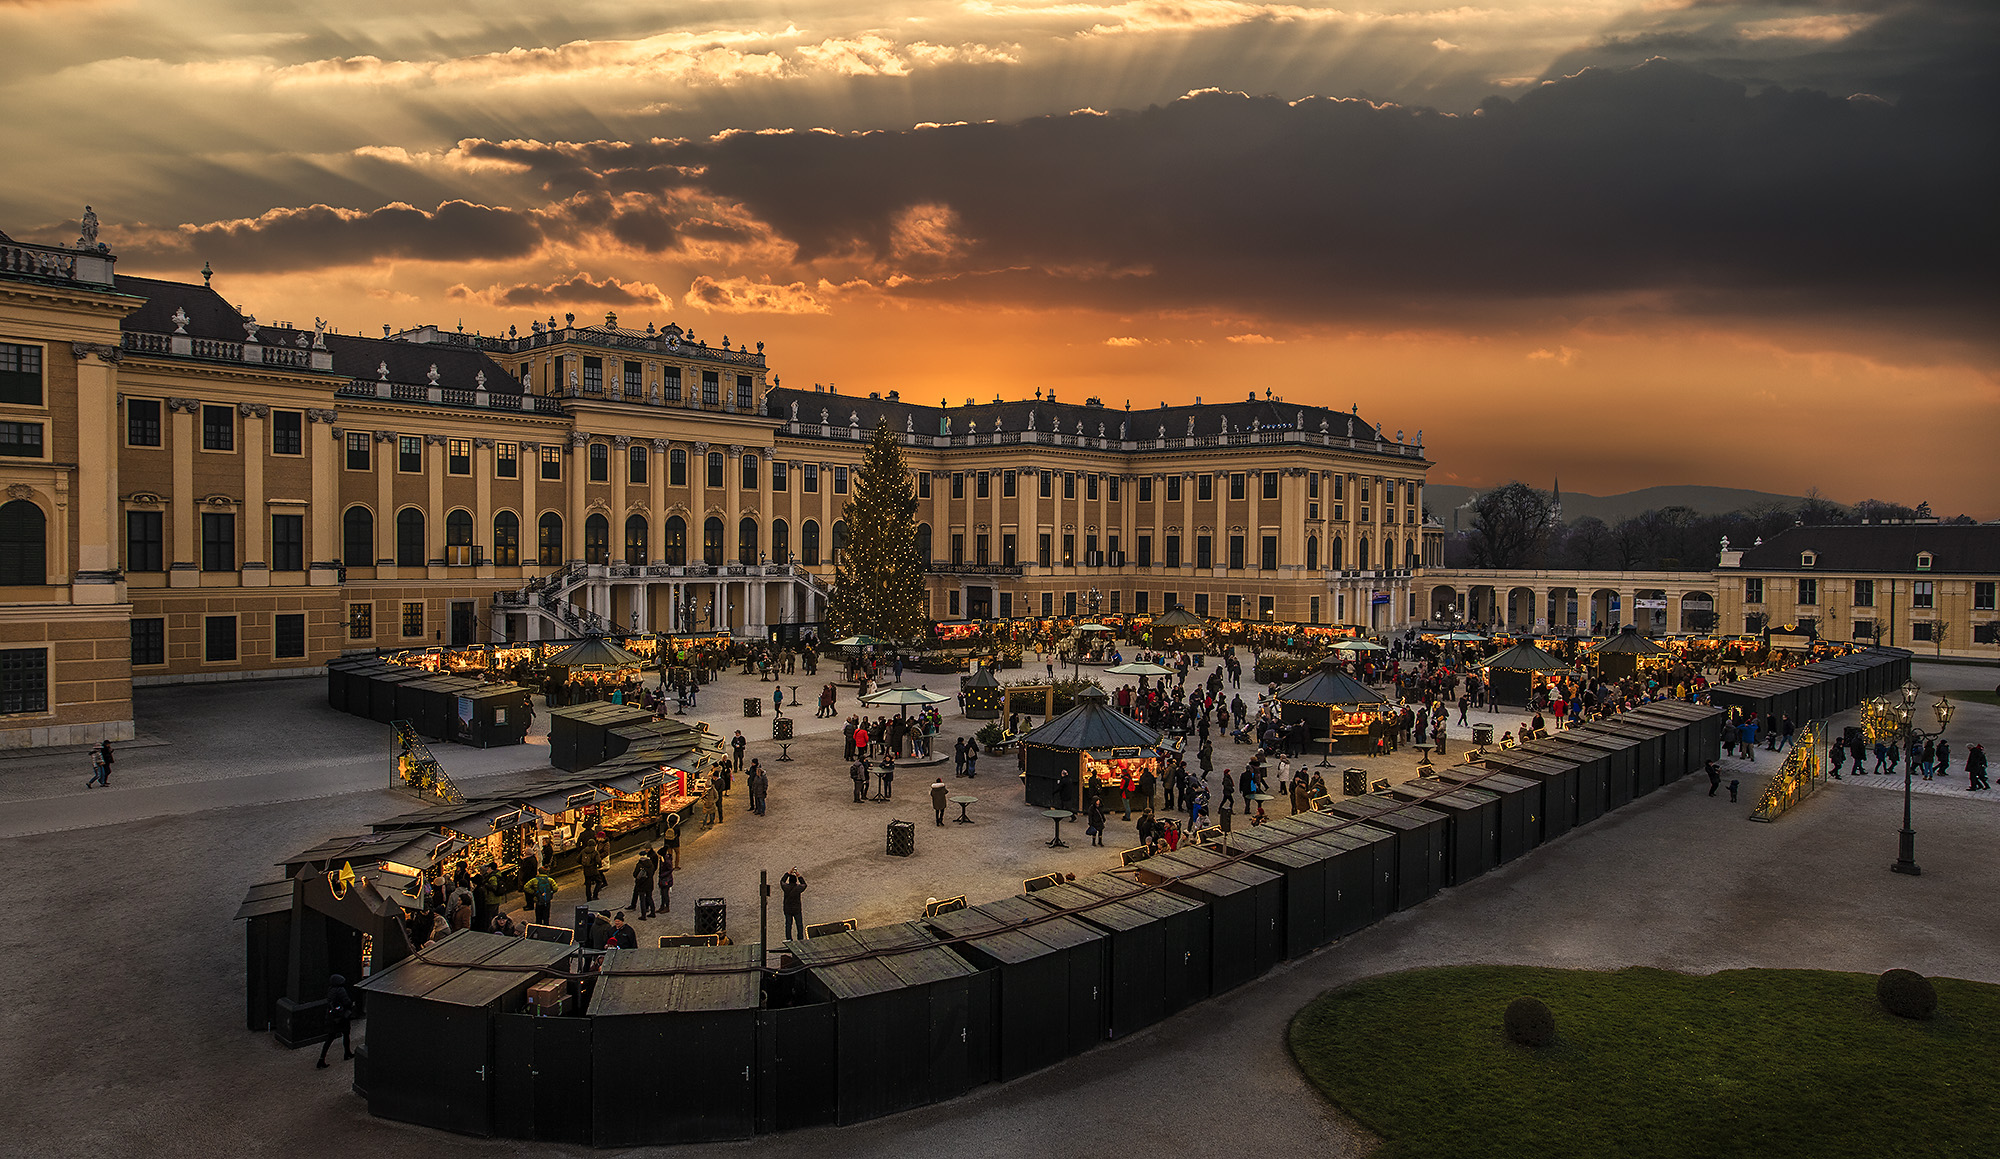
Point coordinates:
pixel 1516 673
pixel 1629 654
pixel 1343 714
pixel 1092 748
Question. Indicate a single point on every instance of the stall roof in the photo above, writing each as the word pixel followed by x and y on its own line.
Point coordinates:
pixel 914 953
pixel 1525 657
pixel 1084 905
pixel 1178 617
pixel 269 898
pixel 554 799
pixel 1629 641
pixel 366 848
pixel 416 976
pixel 1155 901
pixel 983 678
pixel 1328 686
pixel 631 981
pixel 856 979
pixel 487 982
pixel 993 933
pixel 594 652
pixel 1093 724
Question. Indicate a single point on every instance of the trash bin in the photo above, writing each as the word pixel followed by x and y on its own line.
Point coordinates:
pixel 1482 734
pixel 902 838
pixel 1353 782
pixel 781 728
pixel 753 706
pixel 711 915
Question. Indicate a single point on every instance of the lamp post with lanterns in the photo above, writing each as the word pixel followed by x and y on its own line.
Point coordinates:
pixel 1903 710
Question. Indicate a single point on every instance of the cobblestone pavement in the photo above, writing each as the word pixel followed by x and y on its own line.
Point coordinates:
pixel 125 1030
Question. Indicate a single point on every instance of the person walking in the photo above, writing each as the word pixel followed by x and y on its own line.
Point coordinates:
pixel 644 867
pixel 670 843
pixel 1836 754
pixel 339 1020
pixel 104 750
pixel 594 877
pixel 1714 778
pixel 100 773
pixel 1095 828
pixel 665 883
pixel 760 787
pixel 1975 769
pixel 793 886
pixel 958 757
pixel 542 892
pixel 971 758
pixel 938 795
pixel 736 747
pixel 1943 756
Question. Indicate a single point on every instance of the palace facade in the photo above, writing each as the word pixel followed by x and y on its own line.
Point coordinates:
pixel 192 494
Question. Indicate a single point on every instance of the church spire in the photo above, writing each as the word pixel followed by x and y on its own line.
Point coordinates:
pixel 1556 504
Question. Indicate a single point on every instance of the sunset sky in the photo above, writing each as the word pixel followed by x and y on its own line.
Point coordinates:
pixel 1671 241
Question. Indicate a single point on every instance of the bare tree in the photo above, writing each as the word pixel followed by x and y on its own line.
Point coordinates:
pixel 1510 526
pixel 1586 543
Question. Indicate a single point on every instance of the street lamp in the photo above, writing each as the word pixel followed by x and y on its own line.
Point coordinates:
pixel 1914 738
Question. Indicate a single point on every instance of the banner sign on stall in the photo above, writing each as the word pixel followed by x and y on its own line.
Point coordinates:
pixel 581 800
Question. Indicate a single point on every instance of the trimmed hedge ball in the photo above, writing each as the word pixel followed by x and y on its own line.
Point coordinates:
pixel 1530 1022
pixel 1906 994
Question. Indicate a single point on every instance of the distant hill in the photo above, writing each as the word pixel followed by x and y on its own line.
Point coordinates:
pixel 1442 498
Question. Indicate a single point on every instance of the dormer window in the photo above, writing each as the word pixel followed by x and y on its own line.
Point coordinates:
pixel 1807 559
pixel 1923 561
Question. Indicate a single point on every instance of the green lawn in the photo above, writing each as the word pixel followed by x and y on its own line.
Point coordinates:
pixel 1764 1063
pixel 1973 696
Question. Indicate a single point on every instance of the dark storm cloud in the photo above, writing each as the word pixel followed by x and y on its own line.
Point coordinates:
pixel 577 289
pixel 1654 178
pixel 321 235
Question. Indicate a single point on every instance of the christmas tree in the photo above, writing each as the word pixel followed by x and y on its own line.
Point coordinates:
pixel 878 581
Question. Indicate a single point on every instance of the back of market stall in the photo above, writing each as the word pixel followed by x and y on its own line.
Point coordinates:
pixel 674 1045
pixel 1246 909
pixel 895 1002
pixel 431 1022
pixel 1184 923
pixel 1421 844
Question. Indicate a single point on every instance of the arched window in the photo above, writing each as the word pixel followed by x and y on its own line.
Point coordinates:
pixel 839 537
pixel 597 540
pixel 1312 553
pixel 675 549
pixel 458 528
pixel 809 543
pixel 357 538
pixel 635 539
pixel 781 542
pixel 711 542
pixel 507 539
pixel 677 468
pixel 746 542
pixel 924 546
pixel 1336 557
pixel 1410 553
pixel 1361 553
pixel 600 463
pixel 549 541
pixel 410 538
pixel 24 552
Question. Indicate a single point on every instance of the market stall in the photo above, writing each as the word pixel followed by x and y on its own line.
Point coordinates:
pixel 1091 748
pixel 1343 714
pixel 1629 654
pixel 983 698
pixel 1516 673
